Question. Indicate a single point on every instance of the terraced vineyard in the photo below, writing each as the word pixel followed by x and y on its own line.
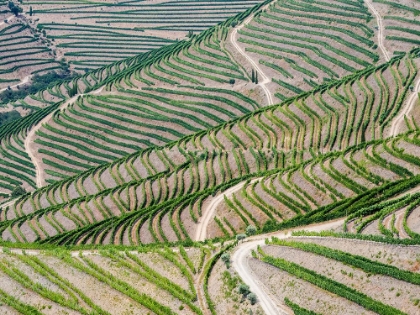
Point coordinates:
pixel 123 95
pixel 347 269
pixel 137 282
pixel 182 177
pixel 402 28
pixel 151 170
pixel 91 35
pixel 22 54
pixel 299 50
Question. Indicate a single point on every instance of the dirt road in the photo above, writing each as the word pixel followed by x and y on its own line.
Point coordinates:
pixel 380 30
pixel 201 231
pixel 268 302
pixel 265 79
pixel 8 20
pixel 406 109
pixel 24 81
pixel 29 140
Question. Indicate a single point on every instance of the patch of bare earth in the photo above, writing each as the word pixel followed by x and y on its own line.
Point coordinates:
pixel 227 301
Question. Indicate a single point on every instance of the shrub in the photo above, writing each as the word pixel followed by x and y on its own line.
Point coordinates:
pixel 226 259
pixel 252 298
pixel 18 191
pixel 240 237
pixel 251 230
pixel 15 9
pixel 244 289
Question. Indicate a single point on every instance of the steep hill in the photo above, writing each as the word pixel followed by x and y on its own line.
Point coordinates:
pixel 290 115
pixel 269 140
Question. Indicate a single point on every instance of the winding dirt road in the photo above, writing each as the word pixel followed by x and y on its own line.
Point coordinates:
pixel 380 30
pixel 265 79
pixel 24 81
pixel 8 20
pixel 269 304
pixel 8 203
pixel 399 225
pixel 29 140
pixel 407 108
pixel 201 230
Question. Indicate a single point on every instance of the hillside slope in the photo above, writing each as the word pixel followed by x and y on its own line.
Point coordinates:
pixel 137 187
pixel 91 35
pixel 129 106
pixel 165 182
pixel 147 83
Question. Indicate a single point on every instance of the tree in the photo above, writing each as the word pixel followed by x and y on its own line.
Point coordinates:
pixel 232 81
pixel 252 76
pixel 73 90
pixel 252 298
pixel 18 191
pixel 30 11
pixel 251 230
pixel 15 9
pixel 256 77
pixel 226 259
pixel 240 237
pixel 243 289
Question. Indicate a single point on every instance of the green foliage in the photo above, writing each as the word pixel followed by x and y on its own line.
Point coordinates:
pixel 207 271
pixel 8 117
pixel 243 289
pixel 18 305
pixel 187 259
pixel 225 257
pixel 251 230
pixel 15 9
pixel 17 191
pixel 38 83
pixel 252 297
pixel 297 310
pixel 240 237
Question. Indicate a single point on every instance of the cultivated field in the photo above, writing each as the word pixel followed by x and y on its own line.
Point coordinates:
pixel 156 171
pixel 22 54
pixel 91 35
pixel 328 275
